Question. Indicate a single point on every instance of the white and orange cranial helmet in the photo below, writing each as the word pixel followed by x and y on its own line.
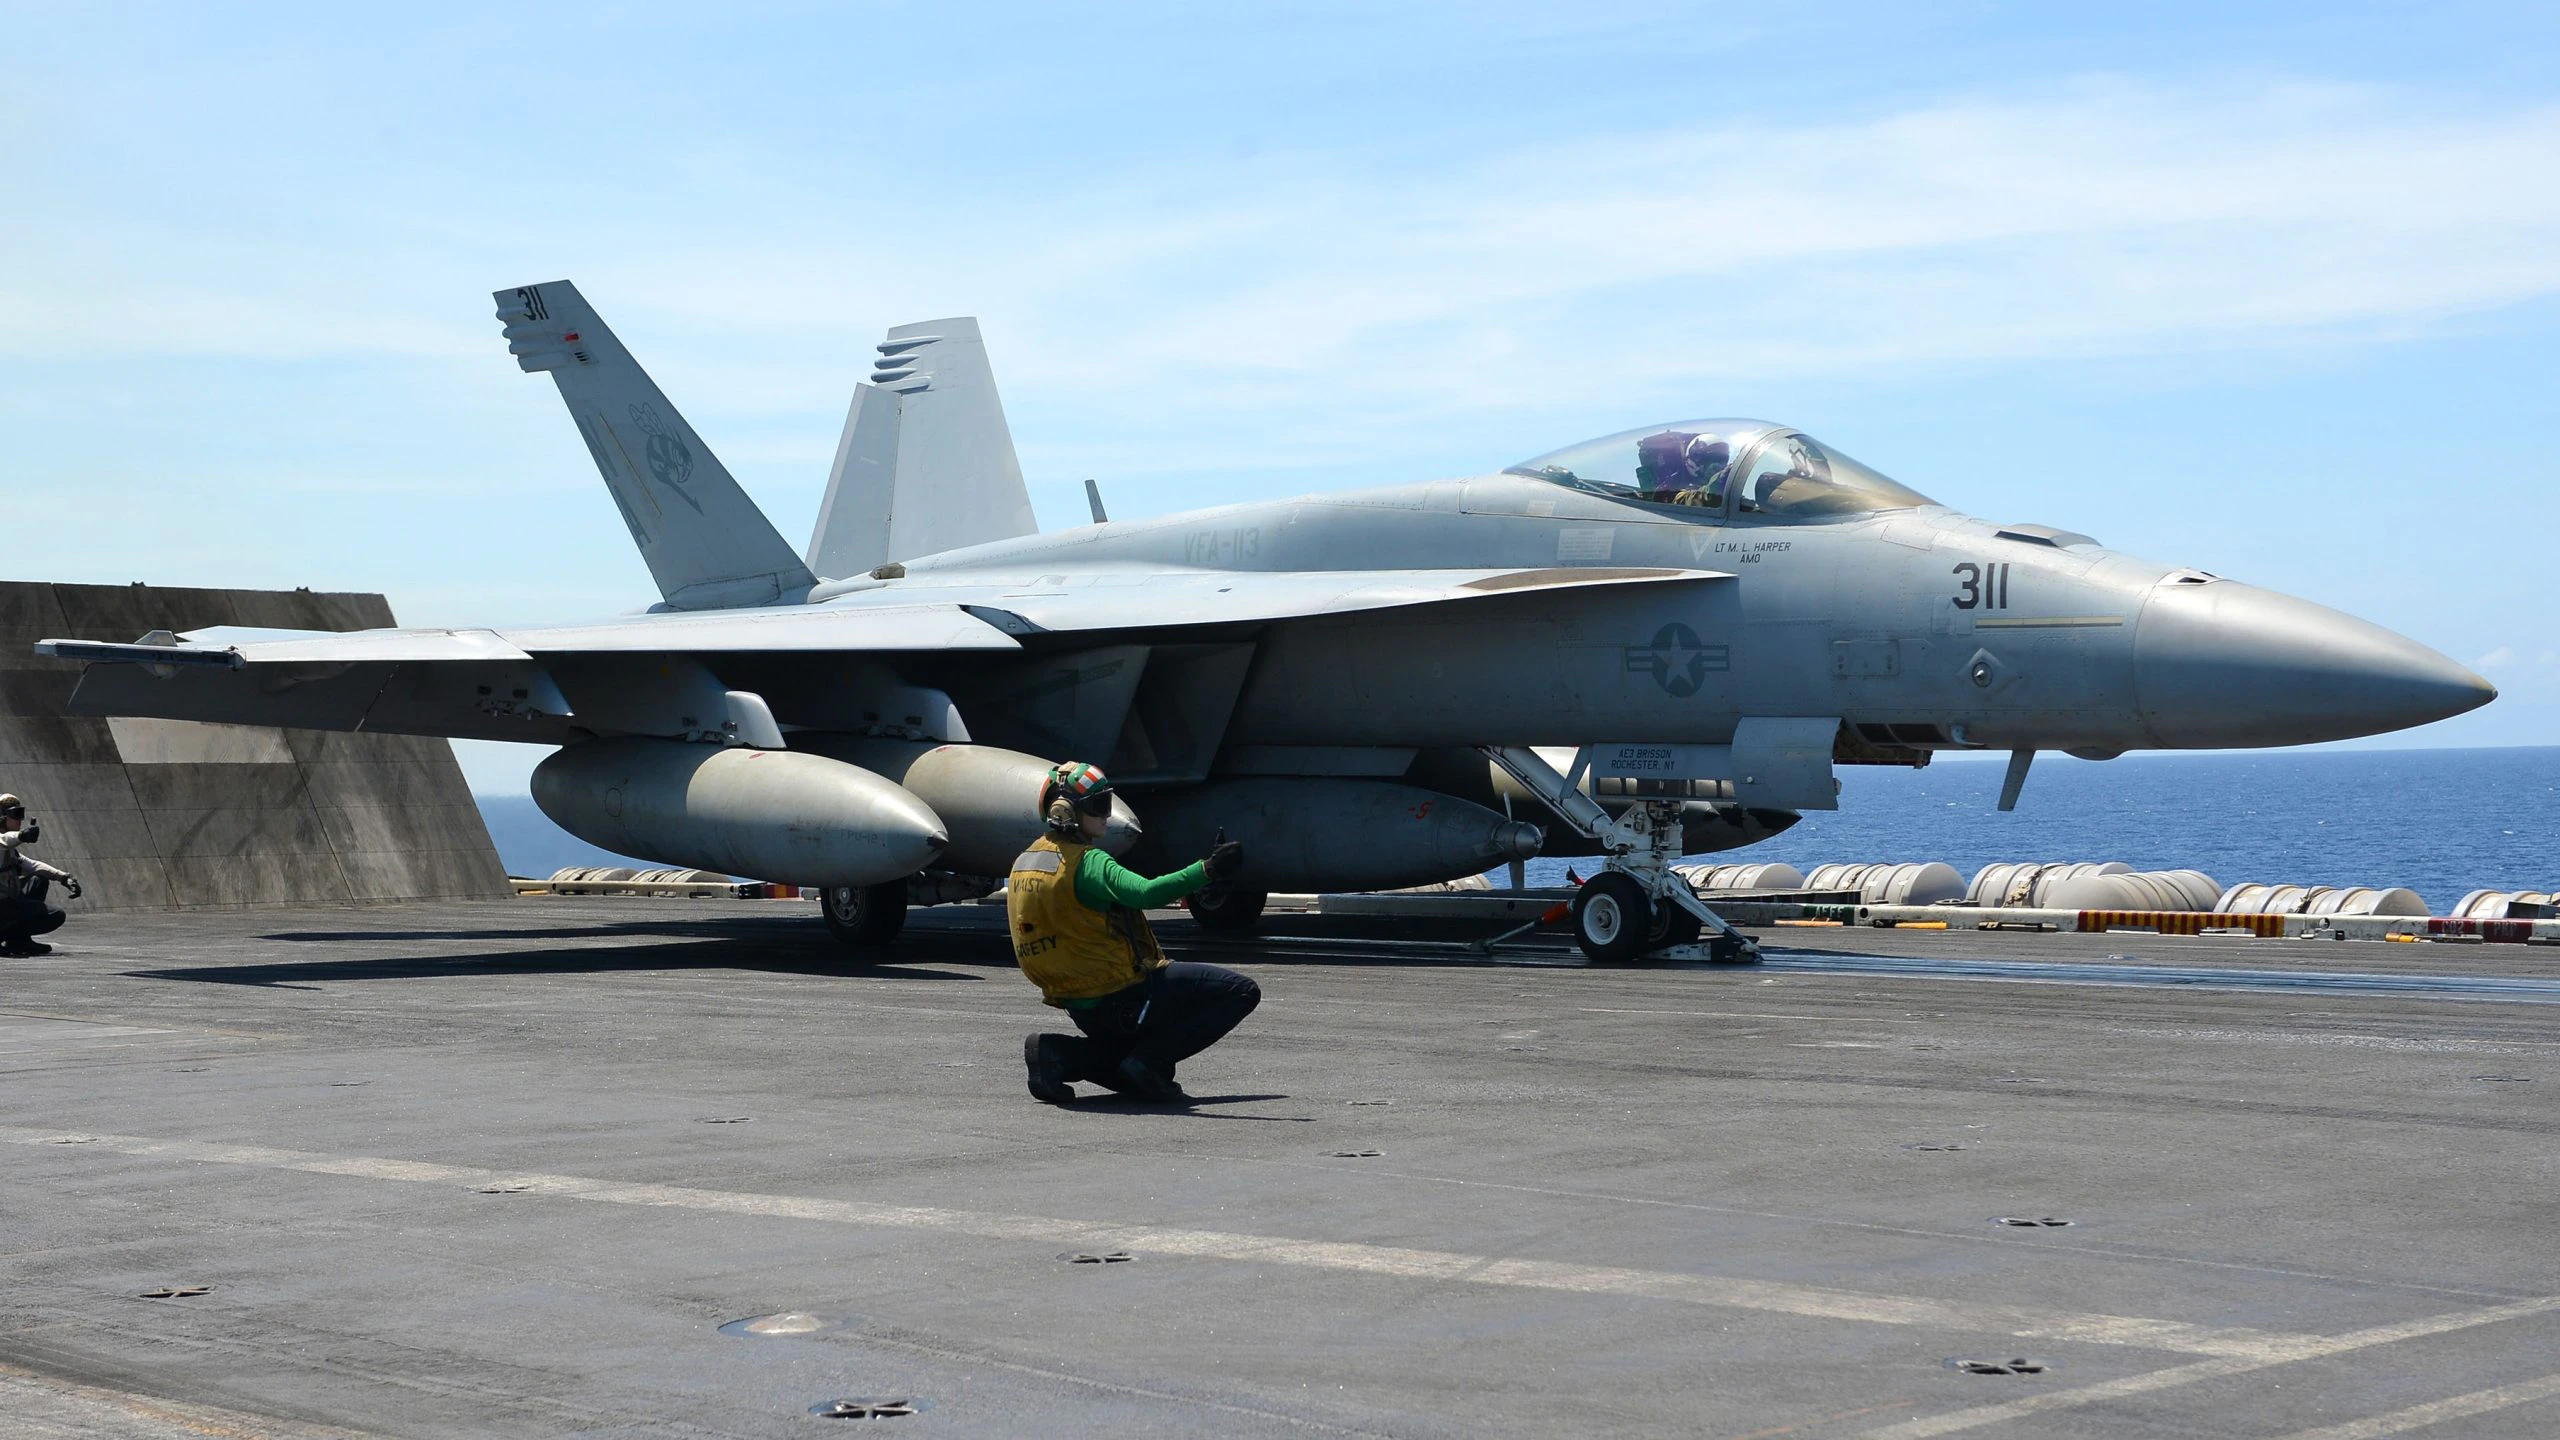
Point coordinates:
pixel 1072 789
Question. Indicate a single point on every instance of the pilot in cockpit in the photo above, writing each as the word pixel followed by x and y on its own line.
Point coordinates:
pixel 1680 468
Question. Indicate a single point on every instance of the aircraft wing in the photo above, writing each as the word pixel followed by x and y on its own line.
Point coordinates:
pixel 931 626
pixel 664 673
pixel 867 629
pixel 1162 599
pixel 916 616
pixel 646 674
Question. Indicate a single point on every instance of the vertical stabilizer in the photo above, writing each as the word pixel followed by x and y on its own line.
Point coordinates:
pixel 852 537
pixel 706 543
pixel 926 463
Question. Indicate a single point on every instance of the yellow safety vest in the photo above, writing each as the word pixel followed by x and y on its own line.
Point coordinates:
pixel 1069 949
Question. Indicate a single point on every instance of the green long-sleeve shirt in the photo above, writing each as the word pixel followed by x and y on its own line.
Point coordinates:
pixel 1102 882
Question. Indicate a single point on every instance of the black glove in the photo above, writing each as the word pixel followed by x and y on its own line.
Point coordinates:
pixel 1225 858
pixel 71 887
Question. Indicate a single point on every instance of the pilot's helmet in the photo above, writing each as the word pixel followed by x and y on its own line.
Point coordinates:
pixel 1705 455
pixel 1661 463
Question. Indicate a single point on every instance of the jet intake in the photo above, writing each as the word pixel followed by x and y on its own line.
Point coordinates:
pixel 764 814
pixel 1332 834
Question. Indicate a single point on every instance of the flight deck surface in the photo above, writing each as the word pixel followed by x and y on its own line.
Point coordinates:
pixel 508 1167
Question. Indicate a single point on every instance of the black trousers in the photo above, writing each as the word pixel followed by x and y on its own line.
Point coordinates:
pixel 24 914
pixel 1165 1019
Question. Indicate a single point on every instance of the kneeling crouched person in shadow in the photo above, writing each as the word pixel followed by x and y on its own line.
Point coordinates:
pixel 1080 933
pixel 25 912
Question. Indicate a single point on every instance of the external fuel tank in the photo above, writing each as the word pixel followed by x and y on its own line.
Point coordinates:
pixel 988 799
pixel 1333 834
pixel 763 814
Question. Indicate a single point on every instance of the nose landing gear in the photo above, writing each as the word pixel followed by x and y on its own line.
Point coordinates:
pixel 1635 908
pixel 1613 919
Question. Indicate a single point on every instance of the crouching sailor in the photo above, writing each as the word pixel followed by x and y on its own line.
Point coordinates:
pixel 1080 933
pixel 25 913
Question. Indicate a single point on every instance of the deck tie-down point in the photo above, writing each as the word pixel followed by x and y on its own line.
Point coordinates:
pixel 867 1409
pixel 2015 1366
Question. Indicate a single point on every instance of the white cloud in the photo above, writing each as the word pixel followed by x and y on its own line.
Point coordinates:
pixel 2503 655
pixel 2109 219
pixel 2122 219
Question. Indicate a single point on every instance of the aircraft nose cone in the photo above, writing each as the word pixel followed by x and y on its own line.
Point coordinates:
pixel 2229 664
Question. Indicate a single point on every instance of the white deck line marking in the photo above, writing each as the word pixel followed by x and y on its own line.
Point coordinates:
pixel 2478 1402
pixel 2312 1348
pixel 1726 1014
pixel 2250 1348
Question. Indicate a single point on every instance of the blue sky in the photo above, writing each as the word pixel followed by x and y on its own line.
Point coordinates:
pixel 2262 290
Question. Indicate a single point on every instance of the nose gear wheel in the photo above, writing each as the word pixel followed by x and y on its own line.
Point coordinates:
pixel 1612 918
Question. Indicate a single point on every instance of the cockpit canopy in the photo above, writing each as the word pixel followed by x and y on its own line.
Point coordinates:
pixel 1745 467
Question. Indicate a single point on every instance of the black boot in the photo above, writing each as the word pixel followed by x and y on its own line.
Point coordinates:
pixel 20 947
pixel 1050 1060
pixel 1143 1081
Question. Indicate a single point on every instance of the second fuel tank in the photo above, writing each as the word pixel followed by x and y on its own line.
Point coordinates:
pixel 989 799
pixel 1332 834
pixel 763 814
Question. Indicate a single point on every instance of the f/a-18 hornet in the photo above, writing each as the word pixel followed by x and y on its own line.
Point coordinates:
pixel 1653 643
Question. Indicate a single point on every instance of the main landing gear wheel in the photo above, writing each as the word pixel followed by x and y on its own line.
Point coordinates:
pixel 865 917
pixel 1612 918
pixel 1229 912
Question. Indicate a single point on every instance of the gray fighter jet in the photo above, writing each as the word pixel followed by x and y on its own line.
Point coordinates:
pixel 1653 643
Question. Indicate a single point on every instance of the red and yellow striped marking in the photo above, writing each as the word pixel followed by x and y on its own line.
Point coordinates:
pixel 2181 922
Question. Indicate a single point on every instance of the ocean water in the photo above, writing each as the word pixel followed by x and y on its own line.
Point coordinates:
pixel 2442 822
pixel 531 846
